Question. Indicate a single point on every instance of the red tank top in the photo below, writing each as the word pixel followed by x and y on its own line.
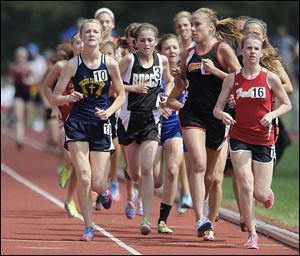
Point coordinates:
pixel 253 100
pixel 65 109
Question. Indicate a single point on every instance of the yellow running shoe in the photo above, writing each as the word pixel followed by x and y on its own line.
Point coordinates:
pixel 64 175
pixel 71 209
pixel 163 228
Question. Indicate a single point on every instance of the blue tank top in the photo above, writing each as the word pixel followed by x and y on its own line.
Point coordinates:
pixel 174 115
pixel 94 85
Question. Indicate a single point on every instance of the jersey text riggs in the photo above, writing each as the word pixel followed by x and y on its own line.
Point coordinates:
pixel 152 80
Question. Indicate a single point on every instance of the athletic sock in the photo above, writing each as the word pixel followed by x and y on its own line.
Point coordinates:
pixel 164 212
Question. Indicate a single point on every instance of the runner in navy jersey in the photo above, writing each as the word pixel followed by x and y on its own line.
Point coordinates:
pixel 88 131
pixel 252 136
pixel 142 72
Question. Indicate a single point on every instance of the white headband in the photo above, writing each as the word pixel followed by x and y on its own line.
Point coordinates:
pixel 104 9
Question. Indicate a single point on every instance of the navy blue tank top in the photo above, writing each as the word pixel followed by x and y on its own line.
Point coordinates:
pixel 94 85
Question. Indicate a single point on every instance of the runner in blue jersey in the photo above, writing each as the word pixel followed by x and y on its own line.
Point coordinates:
pixel 171 143
pixel 88 131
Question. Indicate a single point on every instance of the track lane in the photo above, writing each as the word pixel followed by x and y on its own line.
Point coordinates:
pixel 36 224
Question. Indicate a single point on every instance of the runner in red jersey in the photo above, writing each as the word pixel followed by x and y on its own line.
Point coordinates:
pixel 253 99
pixel 65 109
pixel 271 61
pixel 252 137
pixel 65 52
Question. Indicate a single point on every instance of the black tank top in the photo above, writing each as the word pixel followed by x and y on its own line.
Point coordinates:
pixel 204 88
pixel 136 74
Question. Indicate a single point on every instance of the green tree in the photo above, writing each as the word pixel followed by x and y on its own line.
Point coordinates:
pixel 42 22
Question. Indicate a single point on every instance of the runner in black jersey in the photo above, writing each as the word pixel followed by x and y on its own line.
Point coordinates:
pixel 138 131
pixel 88 131
pixel 205 66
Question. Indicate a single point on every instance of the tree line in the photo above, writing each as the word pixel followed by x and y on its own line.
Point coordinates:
pixel 42 22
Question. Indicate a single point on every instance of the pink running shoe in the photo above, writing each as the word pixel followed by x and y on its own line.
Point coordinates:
pixel 270 201
pixel 252 242
pixel 88 234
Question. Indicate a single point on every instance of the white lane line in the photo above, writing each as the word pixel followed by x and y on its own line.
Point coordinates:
pixel 45 194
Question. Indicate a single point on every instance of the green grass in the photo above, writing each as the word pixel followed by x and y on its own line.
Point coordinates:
pixel 285 185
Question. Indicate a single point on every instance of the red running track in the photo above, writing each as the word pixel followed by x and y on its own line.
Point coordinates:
pixel 34 221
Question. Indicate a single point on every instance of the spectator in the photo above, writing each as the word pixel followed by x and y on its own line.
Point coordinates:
pixel 37 66
pixel 285 44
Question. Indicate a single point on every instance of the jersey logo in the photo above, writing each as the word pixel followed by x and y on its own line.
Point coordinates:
pixel 254 92
pixel 197 65
pixel 90 87
pixel 194 66
pixel 151 79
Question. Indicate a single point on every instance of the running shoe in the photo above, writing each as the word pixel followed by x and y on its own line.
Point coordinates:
pixel 116 195
pixel 98 204
pixel 140 210
pixel 270 201
pixel 186 201
pixel 88 234
pixel 179 208
pixel 202 225
pixel 252 242
pixel 209 235
pixel 130 210
pixel 64 175
pixel 106 199
pixel 71 209
pixel 163 228
pixel 145 227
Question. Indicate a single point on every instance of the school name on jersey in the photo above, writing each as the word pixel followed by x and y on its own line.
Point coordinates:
pixel 90 87
pixel 194 66
pixel 253 92
pixel 152 79
pixel 197 66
